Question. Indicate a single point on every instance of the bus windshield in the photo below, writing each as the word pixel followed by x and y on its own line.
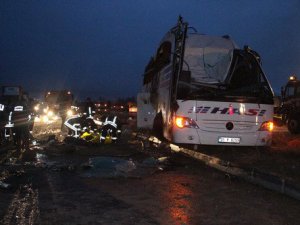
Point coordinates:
pixel 245 80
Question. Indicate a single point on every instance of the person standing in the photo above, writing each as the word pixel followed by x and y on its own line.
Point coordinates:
pixel 21 120
pixel 89 109
pixel 111 126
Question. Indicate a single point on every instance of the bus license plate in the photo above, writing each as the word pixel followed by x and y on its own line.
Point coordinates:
pixel 229 140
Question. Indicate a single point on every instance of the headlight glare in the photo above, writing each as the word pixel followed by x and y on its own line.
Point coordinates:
pixel 182 122
pixel 267 126
pixel 69 113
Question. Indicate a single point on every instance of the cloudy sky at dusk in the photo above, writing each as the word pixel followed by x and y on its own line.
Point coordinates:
pixel 100 47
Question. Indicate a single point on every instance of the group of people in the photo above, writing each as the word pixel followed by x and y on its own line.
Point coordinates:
pixel 16 122
pixel 84 123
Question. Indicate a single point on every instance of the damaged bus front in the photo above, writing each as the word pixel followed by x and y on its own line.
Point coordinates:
pixel 201 89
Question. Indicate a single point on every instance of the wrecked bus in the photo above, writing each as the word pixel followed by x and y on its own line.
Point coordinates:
pixel 201 89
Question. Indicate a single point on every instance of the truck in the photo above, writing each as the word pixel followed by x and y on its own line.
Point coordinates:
pixel 204 90
pixel 288 111
pixel 10 93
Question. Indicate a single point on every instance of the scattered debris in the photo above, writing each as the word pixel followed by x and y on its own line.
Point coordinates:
pixel 4 185
pixel 112 167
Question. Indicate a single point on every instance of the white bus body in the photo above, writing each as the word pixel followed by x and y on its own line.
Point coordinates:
pixel 220 96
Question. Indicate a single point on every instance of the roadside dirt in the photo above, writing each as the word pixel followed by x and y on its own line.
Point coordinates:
pixel 183 192
pixel 281 159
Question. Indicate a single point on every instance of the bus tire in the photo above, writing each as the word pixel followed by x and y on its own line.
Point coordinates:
pixel 293 124
pixel 158 126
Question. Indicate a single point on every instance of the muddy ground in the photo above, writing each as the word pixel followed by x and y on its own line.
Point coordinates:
pixel 281 159
pixel 123 183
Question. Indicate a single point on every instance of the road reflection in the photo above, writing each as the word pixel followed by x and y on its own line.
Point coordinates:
pixel 179 197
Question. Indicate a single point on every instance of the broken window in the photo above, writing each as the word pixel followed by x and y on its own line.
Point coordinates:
pixel 162 58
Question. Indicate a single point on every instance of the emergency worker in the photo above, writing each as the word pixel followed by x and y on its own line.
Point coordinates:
pixel 83 122
pixel 21 120
pixel 2 122
pixel 89 109
pixel 6 124
pixel 6 111
pixel 111 126
pixel 88 125
pixel 73 123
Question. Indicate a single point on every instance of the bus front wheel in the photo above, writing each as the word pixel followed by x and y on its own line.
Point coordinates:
pixel 158 126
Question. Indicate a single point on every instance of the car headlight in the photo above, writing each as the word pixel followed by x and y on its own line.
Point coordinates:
pixel 45 119
pixel 69 112
pixel 50 113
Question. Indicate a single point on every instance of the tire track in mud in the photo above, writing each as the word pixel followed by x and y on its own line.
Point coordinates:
pixel 24 207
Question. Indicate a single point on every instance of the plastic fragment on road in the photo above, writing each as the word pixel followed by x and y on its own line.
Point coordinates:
pixel 4 185
pixel 113 167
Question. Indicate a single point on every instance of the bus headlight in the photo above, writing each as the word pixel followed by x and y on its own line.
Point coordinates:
pixel 266 126
pixel 182 122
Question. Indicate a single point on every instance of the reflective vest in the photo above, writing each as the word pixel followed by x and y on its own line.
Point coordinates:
pixel 113 122
pixel 20 115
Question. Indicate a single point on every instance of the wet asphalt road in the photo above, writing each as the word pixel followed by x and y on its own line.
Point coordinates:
pixel 66 189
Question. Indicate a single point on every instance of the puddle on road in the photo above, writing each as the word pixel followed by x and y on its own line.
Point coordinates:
pixel 113 167
pixel 105 167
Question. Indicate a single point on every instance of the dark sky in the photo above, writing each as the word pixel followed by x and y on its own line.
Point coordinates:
pixel 100 47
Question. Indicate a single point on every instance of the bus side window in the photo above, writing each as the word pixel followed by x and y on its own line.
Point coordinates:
pixel 163 55
pixel 149 72
pixel 162 58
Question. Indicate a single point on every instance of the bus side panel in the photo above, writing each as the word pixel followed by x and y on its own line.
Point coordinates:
pixel 146 111
pixel 163 106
